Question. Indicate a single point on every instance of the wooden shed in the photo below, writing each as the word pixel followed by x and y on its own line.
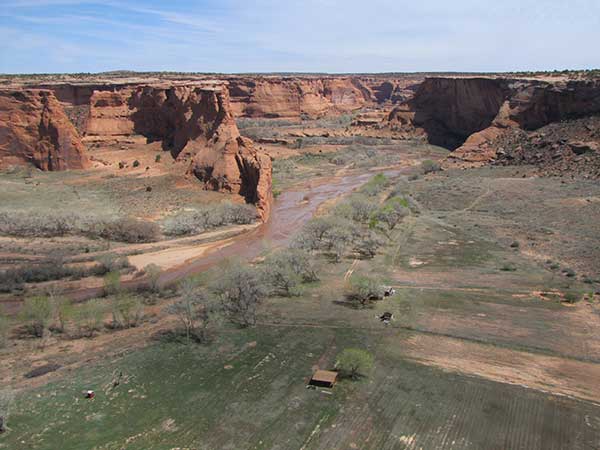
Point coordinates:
pixel 323 378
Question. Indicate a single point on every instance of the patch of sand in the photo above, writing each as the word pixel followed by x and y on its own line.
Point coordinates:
pixel 560 376
pixel 178 255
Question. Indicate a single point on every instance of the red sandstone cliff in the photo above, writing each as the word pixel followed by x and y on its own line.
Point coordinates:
pixel 193 122
pixel 292 97
pixel 34 129
pixel 468 114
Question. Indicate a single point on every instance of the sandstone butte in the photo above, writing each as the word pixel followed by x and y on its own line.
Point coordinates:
pixel 193 122
pixel 466 115
pixel 34 129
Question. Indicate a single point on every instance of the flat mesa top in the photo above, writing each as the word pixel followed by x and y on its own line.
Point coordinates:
pixel 326 376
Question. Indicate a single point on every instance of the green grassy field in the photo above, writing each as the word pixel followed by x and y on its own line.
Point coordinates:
pixel 247 391
pixel 460 284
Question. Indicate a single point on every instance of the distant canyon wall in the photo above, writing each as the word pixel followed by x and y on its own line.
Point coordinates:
pixel 293 97
pixel 467 114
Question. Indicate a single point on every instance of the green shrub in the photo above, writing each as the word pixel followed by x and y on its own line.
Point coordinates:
pixel 127 311
pixel 37 314
pixel 429 166
pixel 88 317
pixel 112 283
pixel 354 363
pixel 157 158
pixel 507 267
pixel 4 329
pixel 376 185
pixel 136 163
pixel 364 289
pixel 572 297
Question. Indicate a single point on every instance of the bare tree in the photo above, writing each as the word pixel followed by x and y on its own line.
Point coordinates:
pixel 195 310
pixel 186 308
pixel 127 310
pixel 88 317
pixel 357 208
pixel 62 308
pixel 312 235
pixel 367 244
pixel 240 291
pixel 285 270
pixel 153 272
pixel 391 213
pixel 339 236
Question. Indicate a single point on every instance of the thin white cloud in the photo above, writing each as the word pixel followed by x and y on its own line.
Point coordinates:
pixel 308 35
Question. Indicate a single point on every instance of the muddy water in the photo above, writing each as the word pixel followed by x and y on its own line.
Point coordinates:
pixel 290 211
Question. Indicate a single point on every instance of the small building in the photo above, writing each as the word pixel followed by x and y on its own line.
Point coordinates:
pixel 323 378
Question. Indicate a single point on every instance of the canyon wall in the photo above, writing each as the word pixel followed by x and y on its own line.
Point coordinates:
pixel 35 130
pixel 193 122
pixel 261 96
pixel 467 115
pixel 293 97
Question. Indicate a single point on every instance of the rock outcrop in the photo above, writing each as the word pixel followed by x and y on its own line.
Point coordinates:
pixel 109 114
pixel 567 148
pixel 34 129
pixel 193 122
pixel 197 123
pixel 467 115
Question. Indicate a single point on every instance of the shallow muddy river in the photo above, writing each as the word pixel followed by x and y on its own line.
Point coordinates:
pixel 290 211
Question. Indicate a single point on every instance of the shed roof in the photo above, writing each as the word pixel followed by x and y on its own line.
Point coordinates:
pixel 325 376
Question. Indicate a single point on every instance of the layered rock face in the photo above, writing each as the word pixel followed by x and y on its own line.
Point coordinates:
pixel 450 110
pixel 198 123
pixel 468 114
pixel 293 97
pixel 109 114
pixel 193 122
pixel 35 130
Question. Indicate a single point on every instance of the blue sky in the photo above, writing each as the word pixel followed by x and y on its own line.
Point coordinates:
pixel 298 36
